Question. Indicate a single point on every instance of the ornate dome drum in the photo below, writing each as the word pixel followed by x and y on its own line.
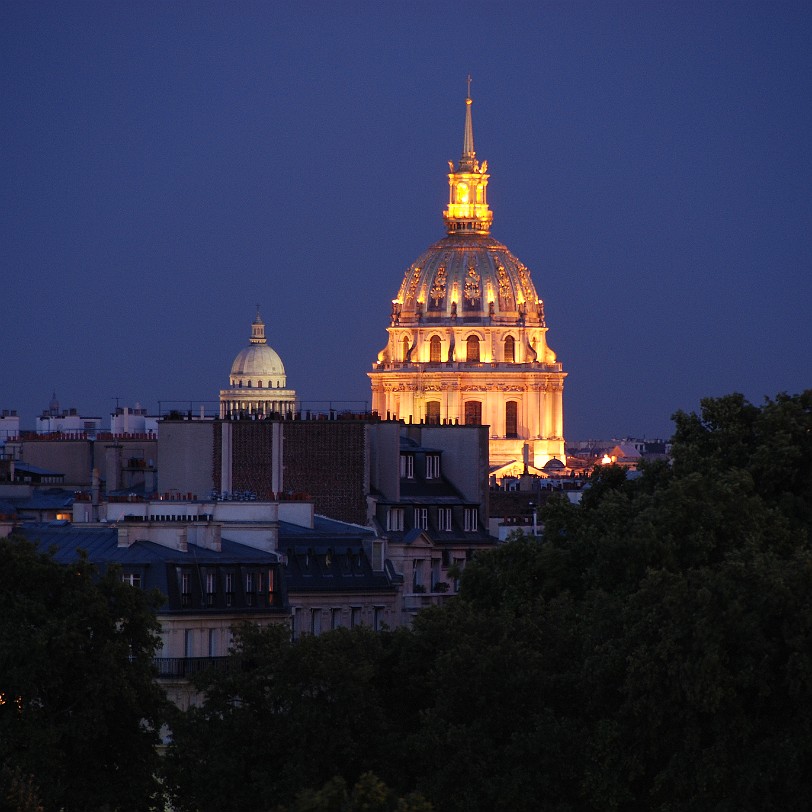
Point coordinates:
pixel 468 335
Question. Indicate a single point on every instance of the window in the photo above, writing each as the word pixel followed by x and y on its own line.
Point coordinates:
pixel 471 520
pixel 355 616
pixel 250 598
pixel 188 643
pixel 211 588
pixel 472 352
pixel 511 419
pixel 186 589
pixel 335 618
pixel 405 348
pixel 377 615
pixel 271 585
pixel 214 643
pixel 229 588
pixel 421 518
pixel 510 349
pixel 394 519
pixel 432 466
pixel 459 564
pixel 132 578
pixel 417 575
pixel 407 466
pixel 444 519
pixel 433 412
pixel 435 573
pixel 377 556
pixel 435 350
pixel 473 413
pixel 315 622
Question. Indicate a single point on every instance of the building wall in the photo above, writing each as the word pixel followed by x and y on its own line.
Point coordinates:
pixel 329 459
pixel 320 612
pixel 186 456
pixel 465 456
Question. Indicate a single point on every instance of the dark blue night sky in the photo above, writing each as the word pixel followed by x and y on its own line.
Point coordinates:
pixel 167 166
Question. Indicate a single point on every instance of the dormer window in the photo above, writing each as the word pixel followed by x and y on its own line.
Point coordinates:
pixel 407 466
pixel 432 466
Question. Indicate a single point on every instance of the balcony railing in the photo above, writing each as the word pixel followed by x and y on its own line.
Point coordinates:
pixel 184 667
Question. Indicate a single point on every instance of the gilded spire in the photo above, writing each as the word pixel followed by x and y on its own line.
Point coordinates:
pixel 468 159
pixel 468 210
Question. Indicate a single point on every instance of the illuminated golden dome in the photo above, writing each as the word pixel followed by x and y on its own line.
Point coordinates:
pixel 258 365
pixel 469 277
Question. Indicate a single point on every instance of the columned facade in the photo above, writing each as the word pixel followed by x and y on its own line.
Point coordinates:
pixel 468 334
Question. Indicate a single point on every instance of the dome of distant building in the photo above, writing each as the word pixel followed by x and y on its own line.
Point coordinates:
pixel 258 363
pixel 468 334
pixel 257 382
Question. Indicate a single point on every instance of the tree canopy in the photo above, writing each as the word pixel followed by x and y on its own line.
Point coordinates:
pixel 80 711
pixel 652 651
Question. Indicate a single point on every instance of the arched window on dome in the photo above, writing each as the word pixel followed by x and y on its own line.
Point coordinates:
pixel 249 384
pixel 510 349
pixel 435 350
pixel 259 384
pixel 405 348
pixel 433 412
pixel 472 354
pixel 473 413
pixel 240 383
pixel 511 419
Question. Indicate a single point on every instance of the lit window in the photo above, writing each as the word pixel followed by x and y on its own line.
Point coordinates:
pixel 472 353
pixel 132 578
pixel 435 350
pixel 471 520
pixel 510 349
pixel 444 519
pixel 432 466
pixel 511 419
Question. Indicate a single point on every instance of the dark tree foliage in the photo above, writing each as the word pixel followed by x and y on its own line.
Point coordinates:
pixel 653 651
pixel 291 717
pixel 79 708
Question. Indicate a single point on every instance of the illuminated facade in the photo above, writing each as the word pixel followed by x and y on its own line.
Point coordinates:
pixel 468 336
pixel 258 384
